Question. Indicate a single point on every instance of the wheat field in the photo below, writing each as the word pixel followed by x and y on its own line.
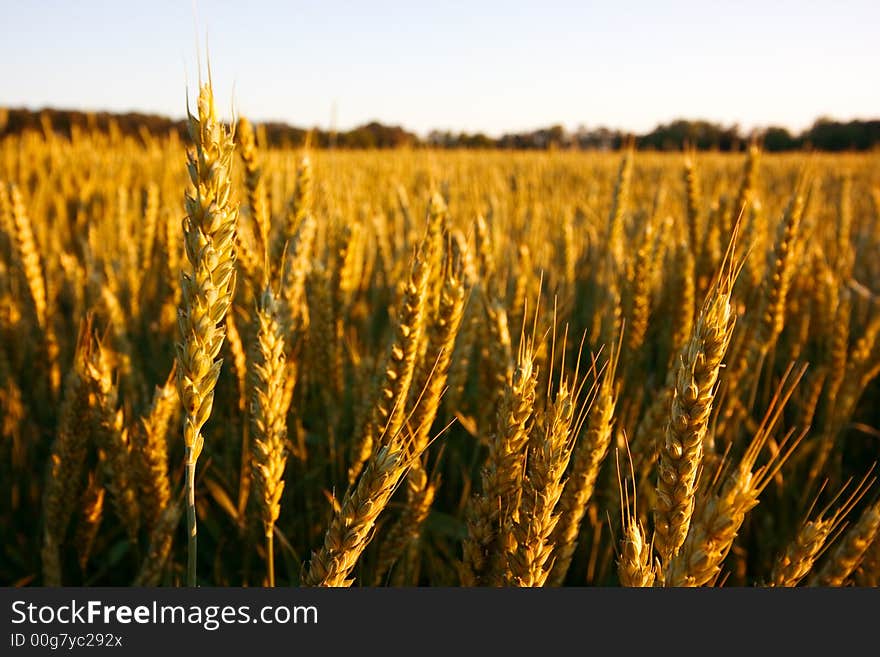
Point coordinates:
pixel 228 364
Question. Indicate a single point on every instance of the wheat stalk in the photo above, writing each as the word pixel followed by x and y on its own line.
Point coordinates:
pixel 268 411
pixel 693 393
pixel 209 238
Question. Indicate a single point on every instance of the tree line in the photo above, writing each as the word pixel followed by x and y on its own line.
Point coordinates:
pixel 824 135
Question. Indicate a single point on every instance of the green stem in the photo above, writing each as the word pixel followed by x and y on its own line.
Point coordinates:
pixel 191 522
pixel 270 554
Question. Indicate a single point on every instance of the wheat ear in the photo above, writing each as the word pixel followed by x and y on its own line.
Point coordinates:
pixel 537 518
pixel 207 288
pixel 800 556
pixel 720 512
pixel 846 557
pixel 350 530
pixel 269 417
pixel 691 405
pixel 67 460
pixel 489 512
pixel 589 454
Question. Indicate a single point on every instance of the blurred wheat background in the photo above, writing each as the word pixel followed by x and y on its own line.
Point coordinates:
pixel 441 368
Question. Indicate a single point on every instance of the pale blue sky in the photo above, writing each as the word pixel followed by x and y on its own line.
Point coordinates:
pixel 491 66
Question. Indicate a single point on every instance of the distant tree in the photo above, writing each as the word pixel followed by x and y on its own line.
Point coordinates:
pixel 477 140
pixel 825 134
pixel 829 135
pixel 779 139
pixel 701 135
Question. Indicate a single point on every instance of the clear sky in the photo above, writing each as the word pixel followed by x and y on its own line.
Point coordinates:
pixel 482 65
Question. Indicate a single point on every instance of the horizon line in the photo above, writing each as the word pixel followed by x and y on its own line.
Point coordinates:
pixel 748 129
